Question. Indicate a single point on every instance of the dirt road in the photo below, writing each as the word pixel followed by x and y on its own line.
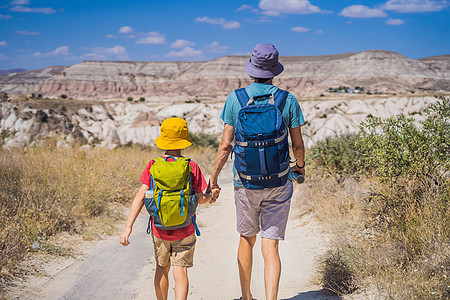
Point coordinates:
pixel 108 270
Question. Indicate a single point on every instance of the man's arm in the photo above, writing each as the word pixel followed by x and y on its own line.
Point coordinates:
pixel 224 151
pixel 298 148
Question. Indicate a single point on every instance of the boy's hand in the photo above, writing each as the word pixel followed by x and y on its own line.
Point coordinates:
pixel 215 192
pixel 124 236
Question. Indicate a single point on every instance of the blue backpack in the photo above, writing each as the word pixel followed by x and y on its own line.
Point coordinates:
pixel 261 149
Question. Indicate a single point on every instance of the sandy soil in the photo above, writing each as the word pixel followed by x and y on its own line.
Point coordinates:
pixel 107 270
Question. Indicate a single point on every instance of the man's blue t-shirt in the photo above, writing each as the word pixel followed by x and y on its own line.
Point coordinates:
pixel 291 112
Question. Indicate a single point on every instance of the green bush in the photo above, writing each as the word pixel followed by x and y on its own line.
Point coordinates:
pixel 63 96
pixel 142 99
pixel 407 208
pixel 5 135
pixel 204 140
pixel 336 154
pixel 130 99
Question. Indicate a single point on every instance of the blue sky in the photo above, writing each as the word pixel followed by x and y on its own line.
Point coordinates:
pixel 35 34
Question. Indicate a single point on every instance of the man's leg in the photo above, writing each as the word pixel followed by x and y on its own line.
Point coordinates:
pixel 245 262
pixel 272 267
pixel 161 281
pixel 181 282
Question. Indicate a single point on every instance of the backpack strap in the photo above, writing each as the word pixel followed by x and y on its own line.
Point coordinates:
pixel 182 201
pixel 197 231
pixel 268 177
pixel 280 95
pixel 149 227
pixel 242 96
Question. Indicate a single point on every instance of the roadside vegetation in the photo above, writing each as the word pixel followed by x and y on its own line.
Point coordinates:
pixel 385 195
pixel 45 191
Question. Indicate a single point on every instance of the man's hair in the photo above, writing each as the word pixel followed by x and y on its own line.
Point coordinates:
pixel 261 80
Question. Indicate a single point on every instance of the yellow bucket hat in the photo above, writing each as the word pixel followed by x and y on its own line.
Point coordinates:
pixel 174 135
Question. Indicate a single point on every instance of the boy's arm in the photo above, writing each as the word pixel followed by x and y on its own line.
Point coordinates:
pixel 135 209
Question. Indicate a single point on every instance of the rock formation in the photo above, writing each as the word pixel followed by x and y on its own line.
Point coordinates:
pixel 110 124
pixel 376 71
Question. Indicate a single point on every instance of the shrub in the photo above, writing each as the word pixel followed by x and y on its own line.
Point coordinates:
pixel 336 154
pixel 405 232
pixel 5 135
pixel 63 96
pixel 338 272
pixel 204 140
pixel 130 99
pixel 142 99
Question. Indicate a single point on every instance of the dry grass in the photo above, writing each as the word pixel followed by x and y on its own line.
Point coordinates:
pixel 45 191
pixel 399 251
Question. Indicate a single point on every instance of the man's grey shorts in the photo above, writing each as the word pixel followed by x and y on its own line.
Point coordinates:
pixel 263 210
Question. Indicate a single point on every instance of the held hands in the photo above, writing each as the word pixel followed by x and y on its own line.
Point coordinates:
pixel 215 192
pixel 214 189
pixel 123 239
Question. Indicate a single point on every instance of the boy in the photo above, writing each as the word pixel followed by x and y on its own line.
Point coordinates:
pixel 176 246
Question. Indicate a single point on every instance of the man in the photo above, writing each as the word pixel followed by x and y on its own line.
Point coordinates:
pixel 264 210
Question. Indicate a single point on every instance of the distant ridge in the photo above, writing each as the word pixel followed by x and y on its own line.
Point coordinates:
pixel 12 71
pixel 372 71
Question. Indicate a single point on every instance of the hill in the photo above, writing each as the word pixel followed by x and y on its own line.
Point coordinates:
pixel 372 71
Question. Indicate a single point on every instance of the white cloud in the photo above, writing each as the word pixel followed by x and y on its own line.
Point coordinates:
pixel 5 17
pixel 111 36
pixel 395 21
pixel 42 10
pixel 247 7
pixel 3 44
pixel 362 11
pixel 300 29
pixel 60 51
pixel 20 2
pixel 320 31
pixel 101 53
pixel 275 7
pixel 412 6
pixel 181 44
pixel 152 40
pixel 24 32
pixel 264 19
pixel 231 25
pixel 186 52
pixel 116 50
pixel 126 30
pixel 216 48
pixel 3 57
pixel 211 20
pixel 226 24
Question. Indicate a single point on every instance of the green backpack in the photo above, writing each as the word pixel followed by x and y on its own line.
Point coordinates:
pixel 174 201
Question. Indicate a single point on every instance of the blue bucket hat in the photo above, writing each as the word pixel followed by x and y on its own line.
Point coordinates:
pixel 264 62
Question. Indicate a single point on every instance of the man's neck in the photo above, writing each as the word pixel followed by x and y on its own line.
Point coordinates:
pixel 269 81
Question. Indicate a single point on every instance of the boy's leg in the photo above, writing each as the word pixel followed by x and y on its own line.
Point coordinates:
pixel 272 267
pixel 182 257
pixel 162 256
pixel 245 262
pixel 181 282
pixel 162 281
